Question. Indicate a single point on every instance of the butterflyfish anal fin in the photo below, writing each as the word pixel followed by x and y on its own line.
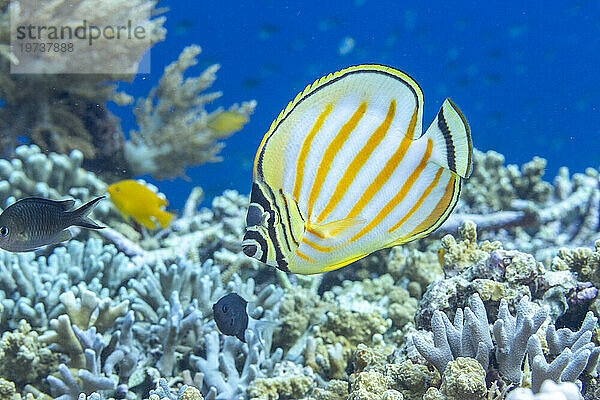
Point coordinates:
pixel 452 147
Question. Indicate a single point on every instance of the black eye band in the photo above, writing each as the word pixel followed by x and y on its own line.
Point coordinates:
pixel 254 216
pixel 262 243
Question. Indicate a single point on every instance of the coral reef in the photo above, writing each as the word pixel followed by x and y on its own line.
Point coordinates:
pixel 22 358
pixel 505 303
pixel 494 273
pixel 523 212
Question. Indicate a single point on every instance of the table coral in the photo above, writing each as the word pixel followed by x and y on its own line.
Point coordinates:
pixel 31 286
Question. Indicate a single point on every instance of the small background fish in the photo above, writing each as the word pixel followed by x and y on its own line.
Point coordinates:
pixel 35 222
pixel 134 200
pixel 231 315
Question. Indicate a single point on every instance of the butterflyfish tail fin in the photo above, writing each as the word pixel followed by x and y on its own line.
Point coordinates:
pixel 337 229
pixel 452 146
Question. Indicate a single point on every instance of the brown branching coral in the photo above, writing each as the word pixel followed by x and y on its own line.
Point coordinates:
pixel 61 112
pixel 175 130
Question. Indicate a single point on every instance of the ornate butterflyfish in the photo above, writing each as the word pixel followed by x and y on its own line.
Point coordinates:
pixel 345 170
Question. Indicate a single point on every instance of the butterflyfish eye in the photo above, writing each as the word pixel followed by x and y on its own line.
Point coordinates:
pixel 249 249
pixel 3 231
pixel 254 215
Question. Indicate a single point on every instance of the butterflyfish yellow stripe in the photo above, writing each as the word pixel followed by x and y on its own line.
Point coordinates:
pixel 388 169
pixel 432 220
pixel 419 202
pixel 330 152
pixel 301 162
pixel 358 162
pixel 316 246
pixel 305 257
pixel 400 195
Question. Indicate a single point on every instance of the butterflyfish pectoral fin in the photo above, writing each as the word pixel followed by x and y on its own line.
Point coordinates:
pixel 337 229
pixel 452 147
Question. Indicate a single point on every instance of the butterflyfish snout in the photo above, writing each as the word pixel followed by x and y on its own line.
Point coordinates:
pixel 345 170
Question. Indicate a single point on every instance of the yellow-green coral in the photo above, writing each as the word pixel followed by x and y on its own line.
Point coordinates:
pixel 420 267
pixel 281 387
pixel 335 390
pixel 458 256
pixel 368 385
pixel 412 379
pixel 369 358
pixel 464 379
pixel 191 393
pixel 22 359
pixel 355 327
pixel 299 309
pixel 582 260
pixel 9 392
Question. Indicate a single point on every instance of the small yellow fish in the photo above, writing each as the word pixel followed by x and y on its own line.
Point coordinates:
pixel 228 122
pixel 346 170
pixel 135 200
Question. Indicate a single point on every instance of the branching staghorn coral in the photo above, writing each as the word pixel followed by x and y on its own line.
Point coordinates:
pixel 465 338
pixel 186 392
pixel 90 377
pixel 221 375
pixel 54 176
pixel 30 287
pixel 571 352
pixel 175 130
pixel 200 234
pixel 514 337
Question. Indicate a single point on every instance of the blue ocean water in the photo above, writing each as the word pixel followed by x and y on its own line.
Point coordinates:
pixel 525 74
